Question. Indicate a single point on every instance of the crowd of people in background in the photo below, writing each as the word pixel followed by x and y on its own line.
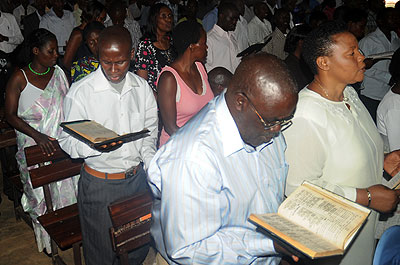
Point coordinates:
pixel 161 64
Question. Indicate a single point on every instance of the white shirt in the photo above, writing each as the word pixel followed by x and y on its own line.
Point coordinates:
pixel 340 150
pixel 132 110
pixel 258 30
pixel 276 45
pixel 328 143
pixel 222 49
pixel 248 13
pixel 376 79
pixel 9 28
pixel 206 182
pixel 271 8
pixel 134 11
pixel 61 27
pixel 240 34
pixel 20 11
pixel 388 120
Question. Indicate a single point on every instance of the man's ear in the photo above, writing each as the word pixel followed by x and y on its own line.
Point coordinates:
pixel 240 101
pixel 132 54
pixel 323 63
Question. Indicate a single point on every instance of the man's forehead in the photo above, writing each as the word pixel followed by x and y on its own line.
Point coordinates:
pixel 114 45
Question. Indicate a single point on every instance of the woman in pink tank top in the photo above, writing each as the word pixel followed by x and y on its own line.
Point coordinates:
pixel 183 88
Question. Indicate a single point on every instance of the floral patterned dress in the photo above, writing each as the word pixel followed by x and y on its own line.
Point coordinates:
pixel 44 116
pixel 83 67
pixel 151 59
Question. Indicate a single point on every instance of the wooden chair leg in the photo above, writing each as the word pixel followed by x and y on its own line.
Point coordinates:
pixel 16 203
pixel 54 252
pixel 77 253
pixel 124 259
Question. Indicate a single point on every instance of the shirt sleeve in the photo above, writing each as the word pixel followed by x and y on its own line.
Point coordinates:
pixel 392 123
pixel 210 54
pixel 44 23
pixel 306 155
pixel 16 37
pixel 193 212
pixel 251 31
pixel 379 70
pixel 74 110
pixel 151 123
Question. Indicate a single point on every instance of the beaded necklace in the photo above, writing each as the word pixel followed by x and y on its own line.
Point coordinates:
pixel 36 73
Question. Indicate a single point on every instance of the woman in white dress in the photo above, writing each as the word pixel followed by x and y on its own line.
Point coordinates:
pixel 333 141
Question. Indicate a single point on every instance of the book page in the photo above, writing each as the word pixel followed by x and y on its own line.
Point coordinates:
pixel 331 219
pixel 92 130
pixel 310 243
pixel 393 183
pixel 393 218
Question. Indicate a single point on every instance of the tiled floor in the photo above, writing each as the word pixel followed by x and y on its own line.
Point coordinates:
pixel 17 242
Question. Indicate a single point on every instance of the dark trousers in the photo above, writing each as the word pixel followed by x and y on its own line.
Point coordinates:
pixel 371 105
pixel 94 196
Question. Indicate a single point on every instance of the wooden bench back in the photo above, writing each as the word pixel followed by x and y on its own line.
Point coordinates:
pixel 7 138
pixel 131 219
pixel 61 166
pixel 50 169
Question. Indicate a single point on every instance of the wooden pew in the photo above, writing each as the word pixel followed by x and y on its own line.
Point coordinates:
pixel 11 177
pixel 131 219
pixel 63 224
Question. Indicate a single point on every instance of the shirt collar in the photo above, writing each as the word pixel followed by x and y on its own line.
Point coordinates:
pixel 38 14
pixel 51 12
pixel 258 20
pixel 232 142
pixel 381 34
pixel 100 82
pixel 219 30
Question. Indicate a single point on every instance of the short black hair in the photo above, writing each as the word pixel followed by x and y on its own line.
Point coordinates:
pixel 39 38
pixel 186 33
pixel 317 16
pixel 295 35
pixel 226 6
pixel 319 42
pixel 92 26
pixel 92 11
pixel 394 67
pixel 117 6
pixel 355 15
pixel 340 12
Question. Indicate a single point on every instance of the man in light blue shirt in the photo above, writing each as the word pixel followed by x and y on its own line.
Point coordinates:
pixel 224 164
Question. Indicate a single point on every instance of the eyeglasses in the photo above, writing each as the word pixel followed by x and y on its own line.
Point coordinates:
pixel 284 123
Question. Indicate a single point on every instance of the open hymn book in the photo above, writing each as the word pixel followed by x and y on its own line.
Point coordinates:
pixel 314 221
pixel 95 134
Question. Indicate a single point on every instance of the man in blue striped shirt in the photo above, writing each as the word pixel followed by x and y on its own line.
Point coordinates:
pixel 224 164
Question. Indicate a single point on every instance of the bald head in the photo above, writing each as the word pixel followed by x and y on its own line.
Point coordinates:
pixel 115 35
pixel 261 97
pixel 219 78
pixel 263 75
